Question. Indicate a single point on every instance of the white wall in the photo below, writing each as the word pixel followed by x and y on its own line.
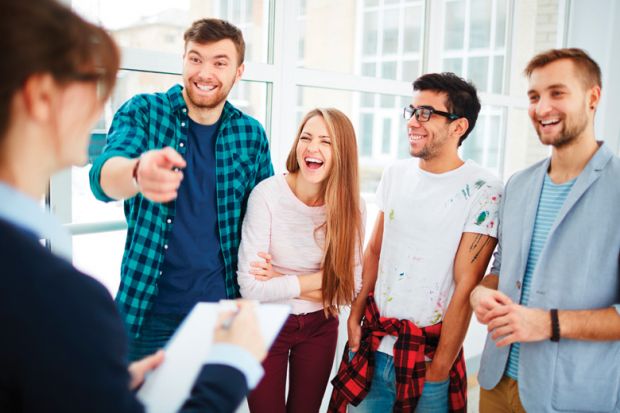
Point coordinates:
pixel 594 25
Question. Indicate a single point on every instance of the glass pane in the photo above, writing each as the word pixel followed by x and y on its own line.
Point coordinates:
pixel 453 65
pixel 251 98
pixel 414 20
pixel 369 69
pixel 388 101
pixel 100 255
pixel 480 29
pixel 339 37
pixel 410 70
pixel 371 3
pixel 84 206
pixel 498 74
pixel 386 137
pixel 159 25
pixel 365 139
pixel 478 72
pixel 527 18
pixel 370 33
pixel 368 100
pixel 455 24
pixel 493 142
pixel 301 41
pixel 388 70
pixel 401 135
pixel 500 29
pixel 483 145
pixel 390 31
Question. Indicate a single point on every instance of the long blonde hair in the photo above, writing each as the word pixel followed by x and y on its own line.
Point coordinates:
pixel 343 226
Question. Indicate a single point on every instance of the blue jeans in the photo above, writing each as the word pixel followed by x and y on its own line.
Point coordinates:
pixel 156 330
pixel 382 394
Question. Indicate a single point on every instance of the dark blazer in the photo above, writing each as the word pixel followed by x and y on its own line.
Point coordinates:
pixel 63 346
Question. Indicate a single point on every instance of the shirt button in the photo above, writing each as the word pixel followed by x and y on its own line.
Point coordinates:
pixel 181 144
pixel 169 221
pixel 518 285
pixel 165 246
pixel 161 272
pixel 184 110
pixel 182 123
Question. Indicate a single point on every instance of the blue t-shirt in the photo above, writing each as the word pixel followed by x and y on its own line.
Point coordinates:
pixel 193 269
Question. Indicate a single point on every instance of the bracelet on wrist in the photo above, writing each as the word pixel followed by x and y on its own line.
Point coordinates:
pixel 134 175
pixel 555 325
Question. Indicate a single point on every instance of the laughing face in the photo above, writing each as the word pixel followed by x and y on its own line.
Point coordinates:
pixel 314 151
pixel 428 140
pixel 559 107
pixel 209 72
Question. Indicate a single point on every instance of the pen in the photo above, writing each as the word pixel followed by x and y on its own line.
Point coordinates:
pixel 228 322
pixel 228 306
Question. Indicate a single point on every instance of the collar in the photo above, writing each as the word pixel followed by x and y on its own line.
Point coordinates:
pixel 24 212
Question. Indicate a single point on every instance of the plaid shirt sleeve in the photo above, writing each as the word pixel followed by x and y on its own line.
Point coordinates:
pixel 127 138
pixel 264 165
pixel 243 160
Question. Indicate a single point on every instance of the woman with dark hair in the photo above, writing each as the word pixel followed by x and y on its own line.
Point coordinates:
pixel 301 245
pixel 64 347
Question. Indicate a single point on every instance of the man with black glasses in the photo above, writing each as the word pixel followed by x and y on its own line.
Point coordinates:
pixel 431 244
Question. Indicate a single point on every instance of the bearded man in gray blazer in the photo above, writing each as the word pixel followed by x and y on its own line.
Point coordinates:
pixel 551 299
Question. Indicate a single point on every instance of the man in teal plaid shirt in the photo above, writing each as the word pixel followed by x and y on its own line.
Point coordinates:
pixel 185 162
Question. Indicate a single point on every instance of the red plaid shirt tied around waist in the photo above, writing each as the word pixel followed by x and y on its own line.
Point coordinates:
pixel 352 383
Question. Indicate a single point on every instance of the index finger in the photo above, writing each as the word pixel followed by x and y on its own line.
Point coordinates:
pixel 173 157
pixel 498 311
pixel 265 255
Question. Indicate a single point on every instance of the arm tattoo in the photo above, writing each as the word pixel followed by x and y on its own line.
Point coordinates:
pixel 474 246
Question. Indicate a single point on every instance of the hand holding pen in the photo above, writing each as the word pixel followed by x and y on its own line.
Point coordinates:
pixel 239 326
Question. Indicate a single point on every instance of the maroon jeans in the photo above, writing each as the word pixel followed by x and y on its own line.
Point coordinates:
pixel 306 345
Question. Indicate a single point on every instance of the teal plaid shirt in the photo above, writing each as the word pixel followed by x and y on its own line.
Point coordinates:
pixel 155 121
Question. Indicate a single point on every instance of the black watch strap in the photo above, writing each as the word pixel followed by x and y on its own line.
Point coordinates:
pixel 555 325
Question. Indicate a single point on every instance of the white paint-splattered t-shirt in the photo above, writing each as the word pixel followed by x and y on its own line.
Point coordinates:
pixel 425 217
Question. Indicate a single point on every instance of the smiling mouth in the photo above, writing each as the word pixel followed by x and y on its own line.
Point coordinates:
pixel 313 163
pixel 415 138
pixel 548 123
pixel 205 88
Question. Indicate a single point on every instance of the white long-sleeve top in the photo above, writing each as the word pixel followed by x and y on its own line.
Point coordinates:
pixel 278 223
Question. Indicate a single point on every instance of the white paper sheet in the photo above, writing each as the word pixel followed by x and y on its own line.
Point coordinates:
pixel 166 388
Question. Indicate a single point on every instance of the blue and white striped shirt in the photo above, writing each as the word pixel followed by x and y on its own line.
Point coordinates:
pixel 552 198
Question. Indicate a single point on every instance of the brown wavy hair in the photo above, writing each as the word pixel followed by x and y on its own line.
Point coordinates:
pixel 341 195
pixel 212 30
pixel 44 36
pixel 588 70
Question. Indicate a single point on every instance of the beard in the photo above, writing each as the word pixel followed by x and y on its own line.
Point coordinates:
pixel 207 102
pixel 430 150
pixel 569 133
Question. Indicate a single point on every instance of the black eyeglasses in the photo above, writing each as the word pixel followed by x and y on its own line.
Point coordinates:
pixel 424 113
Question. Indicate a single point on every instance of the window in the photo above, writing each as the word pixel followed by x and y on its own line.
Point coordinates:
pixel 475 41
pixel 159 25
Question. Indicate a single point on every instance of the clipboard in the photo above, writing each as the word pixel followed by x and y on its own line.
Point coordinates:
pixel 166 388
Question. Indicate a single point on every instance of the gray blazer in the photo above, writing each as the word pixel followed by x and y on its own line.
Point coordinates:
pixel 577 269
